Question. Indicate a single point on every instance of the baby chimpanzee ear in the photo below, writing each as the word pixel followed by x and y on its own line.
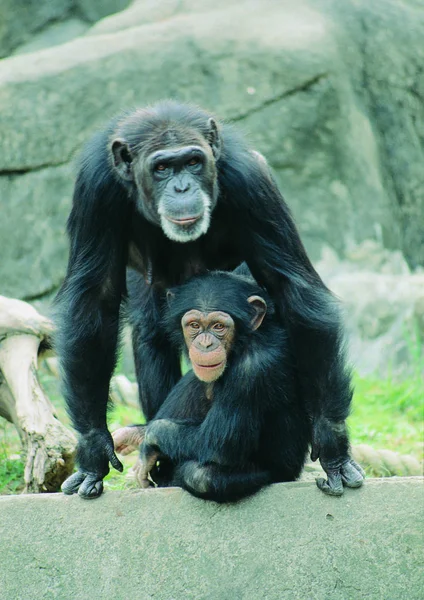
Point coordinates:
pixel 260 307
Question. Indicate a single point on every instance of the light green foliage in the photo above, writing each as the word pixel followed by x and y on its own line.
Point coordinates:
pixel 11 465
pixel 388 414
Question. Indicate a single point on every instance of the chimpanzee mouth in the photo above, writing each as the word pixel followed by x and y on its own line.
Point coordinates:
pixel 209 366
pixel 188 228
pixel 186 222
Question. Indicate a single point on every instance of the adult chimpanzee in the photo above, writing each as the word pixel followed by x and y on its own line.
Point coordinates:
pixel 237 421
pixel 171 193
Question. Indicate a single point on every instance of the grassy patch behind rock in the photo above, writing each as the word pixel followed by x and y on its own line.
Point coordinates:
pixel 385 414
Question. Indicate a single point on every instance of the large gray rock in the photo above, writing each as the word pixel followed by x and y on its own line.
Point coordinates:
pixel 33 247
pixel 53 35
pixel 302 78
pixel 288 542
pixel 384 306
pixel 22 18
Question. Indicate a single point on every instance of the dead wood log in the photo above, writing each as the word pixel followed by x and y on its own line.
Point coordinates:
pixel 49 447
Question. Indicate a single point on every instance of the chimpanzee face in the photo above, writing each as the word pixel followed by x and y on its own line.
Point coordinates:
pixel 175 177
pixel 209 337
pixel 182 191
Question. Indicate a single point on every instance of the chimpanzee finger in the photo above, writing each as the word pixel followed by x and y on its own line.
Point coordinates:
pixel 333 486
pixel 91 487
pixel 113 459
pixel 315 451
pixel 351 475
pixel 357 467
pixel 71 485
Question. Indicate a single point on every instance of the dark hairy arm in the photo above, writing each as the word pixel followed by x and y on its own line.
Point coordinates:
pixel 227 434
pixel 274 252
pixel 214 457
pixel 157 363
pixel 88 313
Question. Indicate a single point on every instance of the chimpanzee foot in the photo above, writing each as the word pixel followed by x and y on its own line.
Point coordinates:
pixel 87 485
pixel 148 458
pixel 348 474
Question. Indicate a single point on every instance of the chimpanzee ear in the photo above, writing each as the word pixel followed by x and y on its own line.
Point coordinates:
pixel 169 297
pixel 122 159
pixel 260 307
pixel 214 138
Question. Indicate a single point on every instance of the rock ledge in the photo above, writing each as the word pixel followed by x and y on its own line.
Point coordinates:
pixel 290 541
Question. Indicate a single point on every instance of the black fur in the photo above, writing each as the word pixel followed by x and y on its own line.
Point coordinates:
pixel 111 226
pixel 255 429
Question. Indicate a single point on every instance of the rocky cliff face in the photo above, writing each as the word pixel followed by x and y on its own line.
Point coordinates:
pixel 331 93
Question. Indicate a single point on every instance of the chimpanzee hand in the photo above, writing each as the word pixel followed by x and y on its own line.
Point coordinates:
pixel 330 444
pixel 128 439
pixel 95 451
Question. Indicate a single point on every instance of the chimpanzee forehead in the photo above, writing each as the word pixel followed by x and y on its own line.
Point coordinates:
pixel 177 137
pixel 217 291
pixel 206 317
pixel 176 154
pixel 153 136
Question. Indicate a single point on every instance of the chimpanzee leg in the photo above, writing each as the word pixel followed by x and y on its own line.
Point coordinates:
pixel 219 483
pixel 157 364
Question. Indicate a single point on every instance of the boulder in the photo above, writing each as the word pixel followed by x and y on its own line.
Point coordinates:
pixel 23 18
pixel 288 542
pixel 384 310
pixel 33 246
pixel 307 81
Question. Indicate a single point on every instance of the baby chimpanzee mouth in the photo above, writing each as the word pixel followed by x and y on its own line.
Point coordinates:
pixel 209 366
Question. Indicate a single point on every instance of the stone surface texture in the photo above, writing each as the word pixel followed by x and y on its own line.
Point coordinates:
pixel 332 95
pixel 288 542
pixel 384 308
pixel 22 19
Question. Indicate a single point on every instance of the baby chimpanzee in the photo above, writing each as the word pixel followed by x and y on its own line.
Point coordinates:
pixel 236 421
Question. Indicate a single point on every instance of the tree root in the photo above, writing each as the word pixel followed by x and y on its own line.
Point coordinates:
pixel 48 446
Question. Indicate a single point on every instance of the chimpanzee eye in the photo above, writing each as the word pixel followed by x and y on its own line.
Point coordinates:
pixel 193 161
pixel 219 327
pixel 194 325
pixel 161 167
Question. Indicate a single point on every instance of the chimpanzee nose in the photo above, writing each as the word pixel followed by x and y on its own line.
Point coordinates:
pixel 182 187
pixel 207 341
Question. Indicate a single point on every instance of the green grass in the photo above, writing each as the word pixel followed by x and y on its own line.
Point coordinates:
pixel 385 414
pixel 388 414
pixel 11 464
pixel 120 416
